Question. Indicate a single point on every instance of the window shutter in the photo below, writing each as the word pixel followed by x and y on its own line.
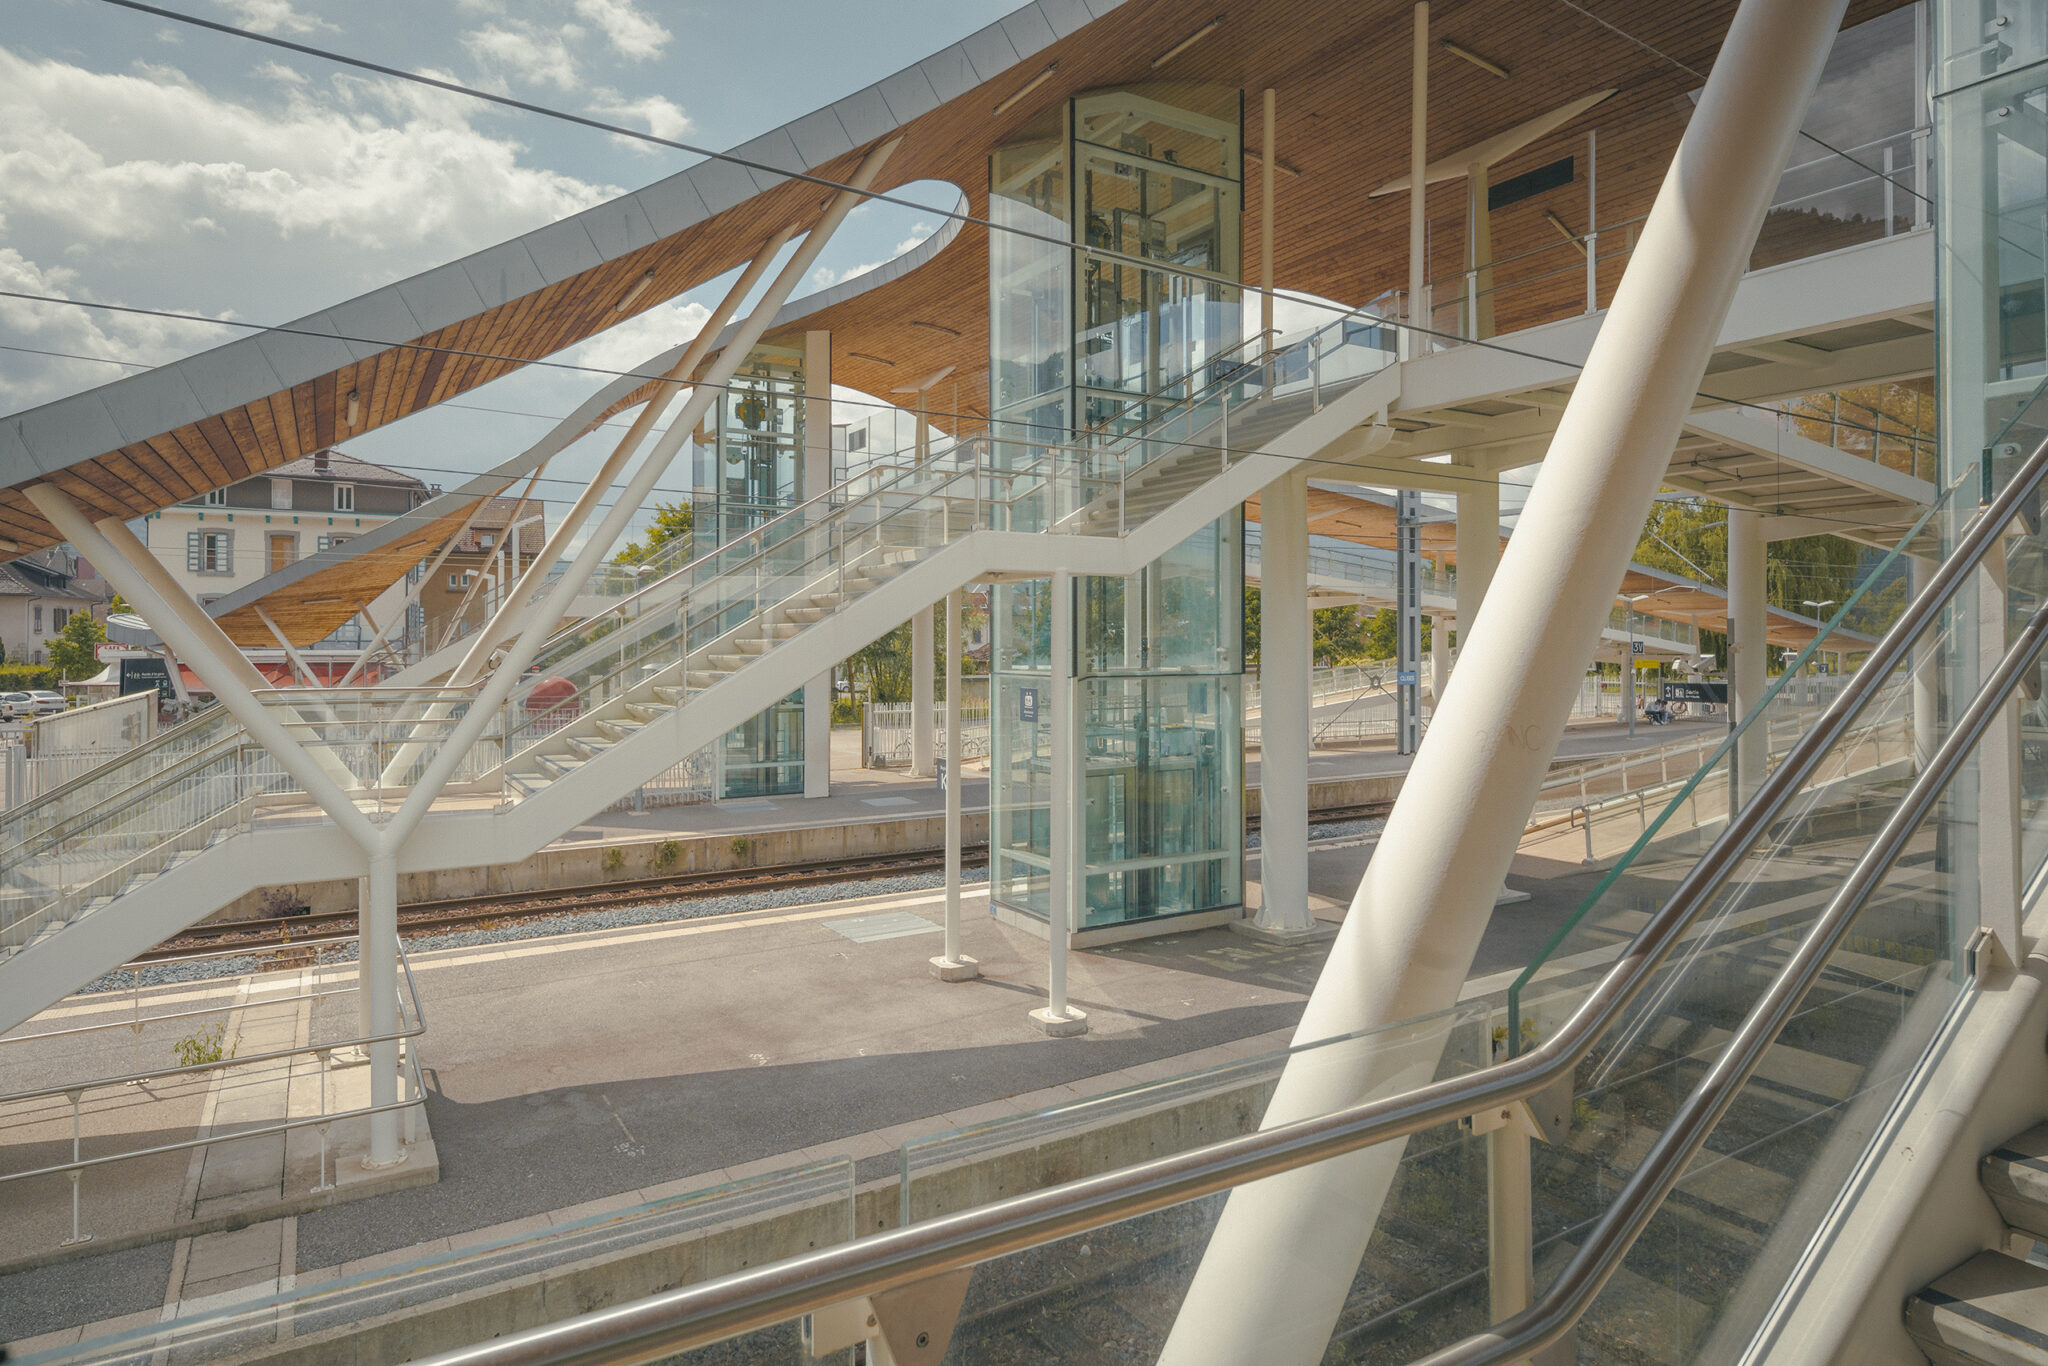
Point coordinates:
pixel 192 552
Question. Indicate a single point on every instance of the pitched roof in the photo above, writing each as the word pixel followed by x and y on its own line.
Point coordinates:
pixel 342 468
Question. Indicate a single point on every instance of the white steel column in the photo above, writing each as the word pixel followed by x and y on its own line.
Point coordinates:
pixel 377 930
pixel 1284 706
pixel 198 640
pixel 1284 1254
pixel 952 965
pixel 922 703
pixel 1413 343
pixel 1926 676
pixel 1439 659
pixel 1478 548
pixel 1266 138
pixel 513 622
pixel 1748 648
pixel 2000 871
pixel 1057 1018
pixel 597 547
pixel 817 477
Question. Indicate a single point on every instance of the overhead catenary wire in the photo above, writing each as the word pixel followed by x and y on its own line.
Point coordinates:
pixel 506 101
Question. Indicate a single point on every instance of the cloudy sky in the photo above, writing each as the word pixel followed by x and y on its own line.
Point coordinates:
pixel 158 165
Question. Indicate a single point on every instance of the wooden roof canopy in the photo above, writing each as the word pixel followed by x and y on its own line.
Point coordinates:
pixel 1341 71
pixel 1369 520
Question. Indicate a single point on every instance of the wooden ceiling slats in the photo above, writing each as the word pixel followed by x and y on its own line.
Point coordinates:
pixel 153 494
pixel 1341 70
pixel 187 445
pixel 173 479
pixel 214 433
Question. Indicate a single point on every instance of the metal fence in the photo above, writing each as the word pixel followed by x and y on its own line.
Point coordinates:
pixel 885 739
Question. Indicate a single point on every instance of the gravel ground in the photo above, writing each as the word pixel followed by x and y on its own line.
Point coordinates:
pixel 655 913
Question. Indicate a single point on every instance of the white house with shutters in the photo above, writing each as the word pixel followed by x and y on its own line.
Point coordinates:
pixel 236 534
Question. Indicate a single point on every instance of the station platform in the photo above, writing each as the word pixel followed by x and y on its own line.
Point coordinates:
pixel 597 1070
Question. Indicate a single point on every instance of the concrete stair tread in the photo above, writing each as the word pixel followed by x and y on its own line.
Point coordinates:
pixel 2015 1176
pixel 1993 1309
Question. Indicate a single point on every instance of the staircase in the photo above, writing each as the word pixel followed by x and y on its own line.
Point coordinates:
pixel 109 866
pixel 1993 1309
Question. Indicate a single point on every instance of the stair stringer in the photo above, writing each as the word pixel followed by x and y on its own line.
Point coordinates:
pixel 91 945
pixel 1915 1207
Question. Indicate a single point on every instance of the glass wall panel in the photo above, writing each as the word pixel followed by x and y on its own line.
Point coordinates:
pixel 1020 749
pixel 1137 181
pixel 746 470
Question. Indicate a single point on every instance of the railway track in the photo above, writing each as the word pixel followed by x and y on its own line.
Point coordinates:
pixel 490 910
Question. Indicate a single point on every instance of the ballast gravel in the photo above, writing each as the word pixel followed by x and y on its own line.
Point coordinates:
pixel 651 913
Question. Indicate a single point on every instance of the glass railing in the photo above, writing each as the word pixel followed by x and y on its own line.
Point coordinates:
pixel 414 1307
pixel 1823 204
pixel 1694 812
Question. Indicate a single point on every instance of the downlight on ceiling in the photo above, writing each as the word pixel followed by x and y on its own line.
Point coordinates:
pixel 639 287
pixel 1010 102
pixel 1184 44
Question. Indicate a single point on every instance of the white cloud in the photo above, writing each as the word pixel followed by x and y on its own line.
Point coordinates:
pixel 824 277
pixel 150 157
pixel 275 16
pixel 664 117
pixel 521 49
pixel 276 201
pixel 79 332
pixel 630 32
pixel 639 337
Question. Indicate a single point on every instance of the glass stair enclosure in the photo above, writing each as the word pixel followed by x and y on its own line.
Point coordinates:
pixel 1098 339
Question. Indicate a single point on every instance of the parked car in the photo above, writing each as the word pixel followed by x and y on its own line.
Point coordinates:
pixel 16 706
pixel 48 703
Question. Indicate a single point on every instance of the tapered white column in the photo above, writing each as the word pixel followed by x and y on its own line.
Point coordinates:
pixel 953 965
pixel 1283 1256
pixel 817 477
pixel 1067 855
pixel 377 937
pixel 637 489
pixel 1285 702
pixel 922 702
pixel 1748 647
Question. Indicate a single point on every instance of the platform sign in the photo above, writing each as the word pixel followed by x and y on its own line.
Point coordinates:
pixel 140 675
pixel 1027 704
pixel 941 774
pixel 1407 678
pixel 1681 691
pixel 1635 647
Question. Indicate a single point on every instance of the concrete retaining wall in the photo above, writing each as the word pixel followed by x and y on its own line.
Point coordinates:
pixel 658 1264
pixel 657 855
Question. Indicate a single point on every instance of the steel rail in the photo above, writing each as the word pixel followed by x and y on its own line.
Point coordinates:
pixel 1560 1307
pixel 663 1324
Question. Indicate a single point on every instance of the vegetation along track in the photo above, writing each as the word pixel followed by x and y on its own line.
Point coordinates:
pixel 469 912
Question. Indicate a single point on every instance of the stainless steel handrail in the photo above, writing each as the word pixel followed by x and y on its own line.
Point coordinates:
pixel 663 1324
pixel 1566 1300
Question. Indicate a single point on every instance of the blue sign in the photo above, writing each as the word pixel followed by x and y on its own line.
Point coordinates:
pixel 1027 704
pixel 1407 678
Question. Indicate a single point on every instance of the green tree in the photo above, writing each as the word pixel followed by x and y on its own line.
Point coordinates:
pixel 672 522
pixel 71 650
pixel 1689 536
pixel 1338 635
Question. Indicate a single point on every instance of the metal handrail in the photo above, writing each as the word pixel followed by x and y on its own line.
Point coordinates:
pixel 675 1320
pixel 1561 1306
